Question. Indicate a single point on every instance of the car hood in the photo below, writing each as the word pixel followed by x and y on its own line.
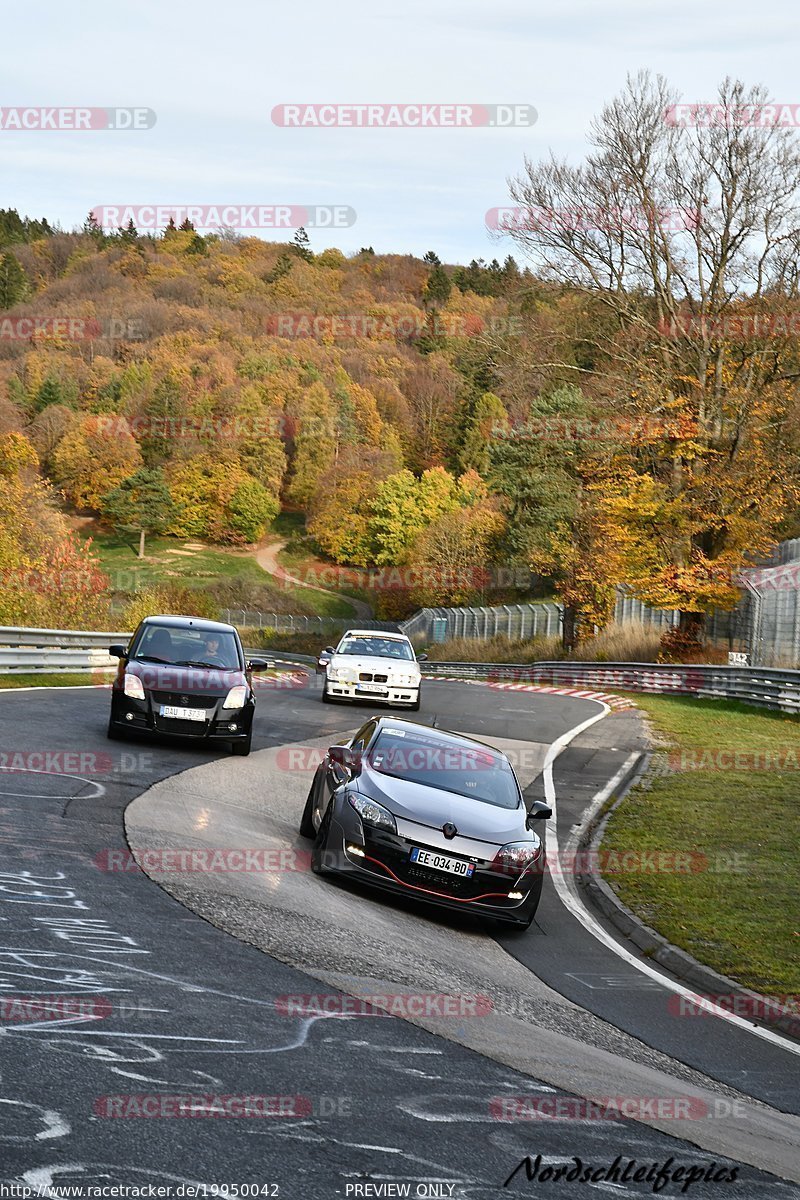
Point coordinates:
pixel 191 681
pixel 370 664
pixel 433 807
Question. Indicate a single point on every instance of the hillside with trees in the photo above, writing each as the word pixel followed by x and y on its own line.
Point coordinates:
pixel 617 401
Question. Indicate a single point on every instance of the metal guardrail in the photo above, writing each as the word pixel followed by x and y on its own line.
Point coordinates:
pixel 11 635
pixel 764 686
pixel 28 660
pixel 55 651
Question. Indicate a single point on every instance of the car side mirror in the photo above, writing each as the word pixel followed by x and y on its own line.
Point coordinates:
pixel 539 812
pixel 260 664
pixel 422 658
pixel 344 756
pixel 118 651
pixel 329 650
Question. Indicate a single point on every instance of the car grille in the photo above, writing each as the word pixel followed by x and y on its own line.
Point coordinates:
pixel 395 855
pixel 169 725
pixel 179 698
pixel 367 677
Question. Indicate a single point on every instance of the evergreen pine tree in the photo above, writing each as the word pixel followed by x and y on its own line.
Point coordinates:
pixel 13 281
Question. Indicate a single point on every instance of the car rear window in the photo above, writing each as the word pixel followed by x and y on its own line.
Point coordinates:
pixel 474 771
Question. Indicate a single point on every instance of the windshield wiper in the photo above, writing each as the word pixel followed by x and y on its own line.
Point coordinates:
pixel 197 662
pixel 154 658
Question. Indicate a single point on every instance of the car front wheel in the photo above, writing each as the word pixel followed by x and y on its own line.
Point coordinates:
pixel 321 843
pixel 307 829
pixel 114 733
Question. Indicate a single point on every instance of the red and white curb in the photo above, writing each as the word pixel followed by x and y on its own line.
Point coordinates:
pixel 615 702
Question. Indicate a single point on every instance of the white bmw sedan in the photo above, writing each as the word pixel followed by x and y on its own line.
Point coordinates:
pixel 371 665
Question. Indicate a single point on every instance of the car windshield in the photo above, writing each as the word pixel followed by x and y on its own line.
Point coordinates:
pixel 187 647
pixel 377 647
pixel 453 766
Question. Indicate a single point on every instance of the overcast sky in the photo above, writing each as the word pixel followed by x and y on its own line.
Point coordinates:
pixel 213 73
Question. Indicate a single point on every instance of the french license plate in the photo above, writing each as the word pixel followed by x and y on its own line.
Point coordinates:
pixel 442 862
pixel 176 712
pixel 378 689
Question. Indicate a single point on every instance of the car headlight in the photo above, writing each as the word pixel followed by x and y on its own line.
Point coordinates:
pixel 134 687
pixel 341 674
pixel 236 697
pixel 372 813
pixel 406 680
pixel 516 857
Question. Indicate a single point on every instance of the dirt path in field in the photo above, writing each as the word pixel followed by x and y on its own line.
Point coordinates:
pixel 267 559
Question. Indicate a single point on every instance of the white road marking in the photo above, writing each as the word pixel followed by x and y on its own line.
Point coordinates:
pixel 568 894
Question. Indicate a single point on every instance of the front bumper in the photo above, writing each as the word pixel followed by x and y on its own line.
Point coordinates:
pixel 385 693
pixel 144 716
pixel 385 863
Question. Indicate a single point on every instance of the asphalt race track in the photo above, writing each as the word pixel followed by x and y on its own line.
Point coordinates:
pixel 152 999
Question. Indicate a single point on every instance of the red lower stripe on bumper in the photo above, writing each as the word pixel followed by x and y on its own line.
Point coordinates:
pixel 445 896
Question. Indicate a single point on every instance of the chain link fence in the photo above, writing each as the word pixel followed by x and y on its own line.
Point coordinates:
pixel 246 618
pixel 765 625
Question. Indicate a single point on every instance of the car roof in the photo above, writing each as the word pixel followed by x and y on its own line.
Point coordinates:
pixel 376 633
pixel 443 735
pixel 200 623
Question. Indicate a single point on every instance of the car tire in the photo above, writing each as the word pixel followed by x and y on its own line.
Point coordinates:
pixel 415 706
pixel 307 829
pixel 321 842
pixel 327 698
pixel 114 733
pixel 243 748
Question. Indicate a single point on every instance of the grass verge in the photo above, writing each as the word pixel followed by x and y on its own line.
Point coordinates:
pixel 37 679
pixel 728 788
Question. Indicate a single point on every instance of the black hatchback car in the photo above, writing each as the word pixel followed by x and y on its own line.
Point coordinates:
pixel 185 676
pixel 428 814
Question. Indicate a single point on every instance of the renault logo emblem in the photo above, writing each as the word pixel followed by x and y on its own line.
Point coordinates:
pixel 449 830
